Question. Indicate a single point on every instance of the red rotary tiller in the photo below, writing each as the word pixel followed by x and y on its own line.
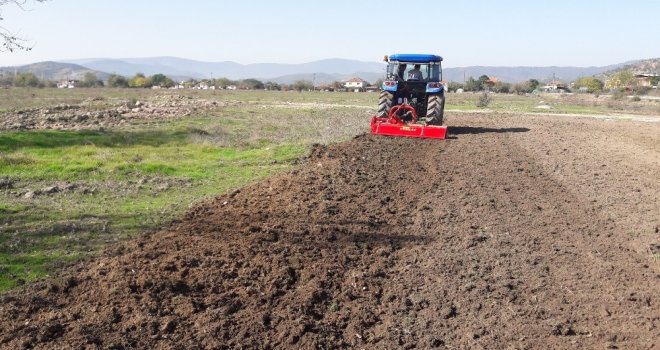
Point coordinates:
pixel 395 124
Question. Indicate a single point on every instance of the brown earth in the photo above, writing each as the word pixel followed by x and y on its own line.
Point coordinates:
pixel 517 232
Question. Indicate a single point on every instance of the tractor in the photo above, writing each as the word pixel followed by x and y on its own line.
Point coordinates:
pixel 412 100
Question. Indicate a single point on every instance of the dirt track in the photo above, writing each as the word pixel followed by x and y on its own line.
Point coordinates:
pixel 519 232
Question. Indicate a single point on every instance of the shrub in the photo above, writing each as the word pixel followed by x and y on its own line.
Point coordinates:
pixel 642 90
pixel 26 80
pixel 590 83
pixel 453 86
pixel 502 87
pixel 117 81
pixel 484 100
pixel 618 94
pixel 523 87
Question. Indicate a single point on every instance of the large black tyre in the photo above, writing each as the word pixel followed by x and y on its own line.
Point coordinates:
pixel 384 103
pixel 435 109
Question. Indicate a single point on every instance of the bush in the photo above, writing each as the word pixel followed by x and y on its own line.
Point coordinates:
pixel 26 80
pixel 472 85
pixel 523 87
pixel 618 94
pixel 484 100
pixel 90 80
pixel 117 81
pixel 302 85
pixel 453 86
pixel 642 90
pixel 591 84
pixel 160 80
pixel 636 99
pixel 502 87
pixel 250 84
pixel 139 81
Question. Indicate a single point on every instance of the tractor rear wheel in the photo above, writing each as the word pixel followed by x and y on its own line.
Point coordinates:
pixel 435 109
pixel 384 103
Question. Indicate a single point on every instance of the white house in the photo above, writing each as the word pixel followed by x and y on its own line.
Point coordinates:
pixel 66 84
pixel 554 86
pixel 357 84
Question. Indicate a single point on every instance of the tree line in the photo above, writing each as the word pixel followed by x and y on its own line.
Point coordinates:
pixel 617 81
pixel 140 80
pixel 624 79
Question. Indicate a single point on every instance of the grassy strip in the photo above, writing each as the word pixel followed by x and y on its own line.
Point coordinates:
pixel 126 187
pixel 125 180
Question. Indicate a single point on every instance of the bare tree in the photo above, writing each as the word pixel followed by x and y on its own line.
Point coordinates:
pixel 9 40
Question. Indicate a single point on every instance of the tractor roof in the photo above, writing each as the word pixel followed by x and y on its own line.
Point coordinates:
pixel 415 58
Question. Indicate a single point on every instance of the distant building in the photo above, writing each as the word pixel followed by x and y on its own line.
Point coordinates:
pixel 644 79
pixel 356 84
pixel 555 86
pixel 491 82
pixel 67 84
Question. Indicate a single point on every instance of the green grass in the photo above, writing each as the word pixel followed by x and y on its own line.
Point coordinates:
pixel 114 162
pixel 560 104
pixel 138 177
pixel 180 174
pixel 17 268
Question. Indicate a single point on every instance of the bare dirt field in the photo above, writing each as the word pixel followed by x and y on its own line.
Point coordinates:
pixel 519 231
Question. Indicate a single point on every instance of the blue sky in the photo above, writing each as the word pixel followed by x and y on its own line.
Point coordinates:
pixel 477 32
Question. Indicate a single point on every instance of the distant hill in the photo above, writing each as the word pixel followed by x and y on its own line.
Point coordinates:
pixel 651 65
pixel 322 78
pixel 516 74
pixel 130 67
pixel 321 72
pixel 54 71
pixel 174 66
pixel 326 71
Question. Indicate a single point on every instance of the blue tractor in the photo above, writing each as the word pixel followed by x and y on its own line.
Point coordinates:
pixel 414 80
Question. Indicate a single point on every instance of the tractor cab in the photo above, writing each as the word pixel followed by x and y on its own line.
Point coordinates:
pixel 400 79
pixel 399 67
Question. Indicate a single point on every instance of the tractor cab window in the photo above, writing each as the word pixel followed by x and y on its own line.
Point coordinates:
pixel 401 71
pixel 429 72
pixel 396 71
pixel 416 73
pixel 435 72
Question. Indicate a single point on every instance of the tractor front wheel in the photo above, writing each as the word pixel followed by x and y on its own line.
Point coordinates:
pixel 435 109
pixel 384 103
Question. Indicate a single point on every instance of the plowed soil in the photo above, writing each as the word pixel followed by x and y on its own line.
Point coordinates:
pixel 517 232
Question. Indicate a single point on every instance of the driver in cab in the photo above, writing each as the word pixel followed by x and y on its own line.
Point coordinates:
pixel 415 73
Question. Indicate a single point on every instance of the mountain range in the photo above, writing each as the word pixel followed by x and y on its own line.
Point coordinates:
pixel 327 70
pixel 55 71
pixel 319 72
